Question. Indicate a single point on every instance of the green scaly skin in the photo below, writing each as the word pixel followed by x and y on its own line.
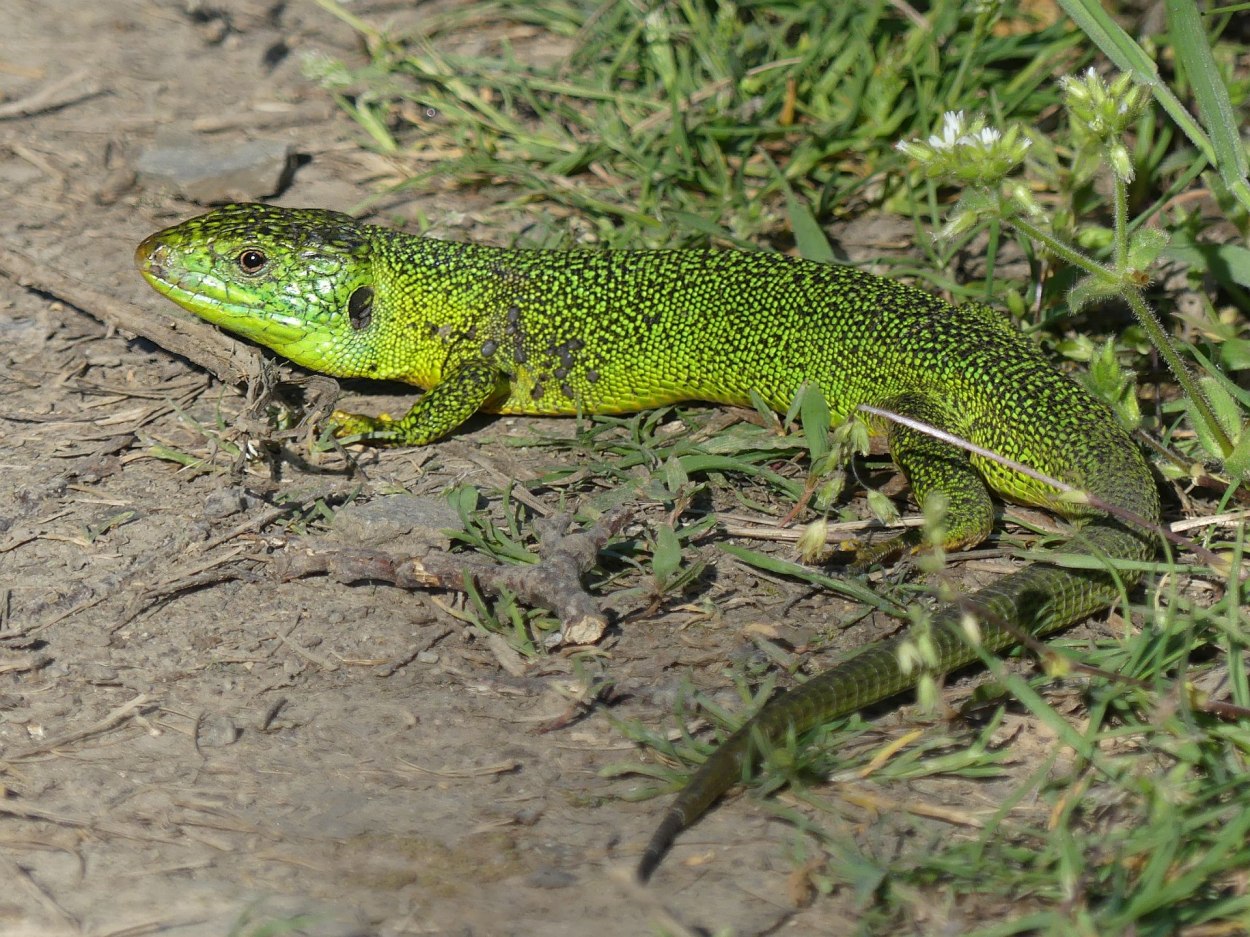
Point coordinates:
pixel 557 332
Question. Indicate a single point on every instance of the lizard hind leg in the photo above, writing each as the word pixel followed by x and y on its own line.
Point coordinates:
pixel 932 466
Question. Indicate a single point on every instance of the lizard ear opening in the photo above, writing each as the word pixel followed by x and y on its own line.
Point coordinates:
pixel 360 307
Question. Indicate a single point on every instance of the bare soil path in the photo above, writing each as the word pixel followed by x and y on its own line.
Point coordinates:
pixel 189 746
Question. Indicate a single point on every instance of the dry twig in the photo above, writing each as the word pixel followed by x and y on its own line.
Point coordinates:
pixel 554 583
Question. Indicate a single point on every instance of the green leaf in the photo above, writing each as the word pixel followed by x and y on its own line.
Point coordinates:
pixel 464 499
pixel 1235 354
pixel 1088 290
pixel 675 477
pixel 666 558
pixel 1233 261
pixel 814 418
pixel 808 235
pixel 1145 246
pixel 1112 383
pixel 1095 237
pixel 1227 411
pixel 767 414
pixel 848 587
pixel 693 222
pixel 1228 263
pixel 1238 462
pixel 882 508
pixel 1076 348
pixel 1193 51
pixel 698 462
pixel 1206 438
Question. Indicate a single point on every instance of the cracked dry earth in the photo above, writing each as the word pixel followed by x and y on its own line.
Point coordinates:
pixel 191 745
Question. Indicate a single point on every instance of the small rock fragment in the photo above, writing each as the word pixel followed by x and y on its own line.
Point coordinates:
pixel 214 173
pixel 216 730
pixel 408 524
pixel 549 877
pixel 225 502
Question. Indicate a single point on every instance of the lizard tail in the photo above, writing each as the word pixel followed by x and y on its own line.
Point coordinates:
pixel 1037 599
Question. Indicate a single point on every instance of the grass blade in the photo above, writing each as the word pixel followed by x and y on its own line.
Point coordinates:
pixel 1189 39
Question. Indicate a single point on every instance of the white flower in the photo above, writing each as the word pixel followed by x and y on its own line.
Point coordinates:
pixel 952 134
pixel 987 137
pixel 967 150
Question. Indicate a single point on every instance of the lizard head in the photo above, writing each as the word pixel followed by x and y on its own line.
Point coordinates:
pixel 298 281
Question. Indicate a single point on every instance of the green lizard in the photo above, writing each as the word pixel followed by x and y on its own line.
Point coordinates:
pixel 563 332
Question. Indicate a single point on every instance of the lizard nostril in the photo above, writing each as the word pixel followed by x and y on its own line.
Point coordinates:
pixel 150 256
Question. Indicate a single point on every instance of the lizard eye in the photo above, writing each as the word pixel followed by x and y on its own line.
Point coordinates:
pixel 252 261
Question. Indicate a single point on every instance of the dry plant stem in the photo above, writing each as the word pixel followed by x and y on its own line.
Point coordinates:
pixel 119 716
pixel 553 583
pixel 21 880
pixel 70 89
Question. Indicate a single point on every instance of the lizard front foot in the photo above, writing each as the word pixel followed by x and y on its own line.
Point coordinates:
pixel 357 427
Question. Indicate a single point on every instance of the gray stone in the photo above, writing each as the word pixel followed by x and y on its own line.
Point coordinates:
pixel 212 173
pixel 402 523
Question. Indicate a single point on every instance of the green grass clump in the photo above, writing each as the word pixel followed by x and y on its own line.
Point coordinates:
pixel 671 123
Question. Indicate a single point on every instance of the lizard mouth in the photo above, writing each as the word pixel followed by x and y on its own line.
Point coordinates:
pixel 213 298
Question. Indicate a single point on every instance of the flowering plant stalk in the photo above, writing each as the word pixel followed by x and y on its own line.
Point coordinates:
pixel 981 158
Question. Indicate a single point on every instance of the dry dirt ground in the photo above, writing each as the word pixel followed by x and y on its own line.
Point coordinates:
pixel 189 746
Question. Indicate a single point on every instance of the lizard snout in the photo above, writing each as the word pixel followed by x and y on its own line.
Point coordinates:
pixel 151 256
